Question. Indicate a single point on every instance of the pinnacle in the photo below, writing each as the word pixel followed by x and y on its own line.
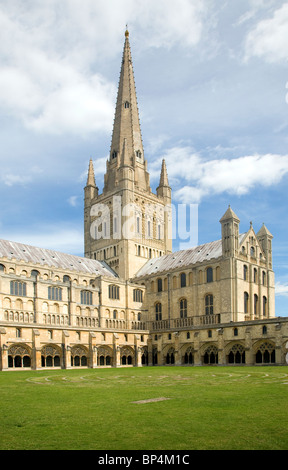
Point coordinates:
pixel 164 175
pixel 91 175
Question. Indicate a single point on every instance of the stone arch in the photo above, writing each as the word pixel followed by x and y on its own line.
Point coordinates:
pixel 19 355
pixel 235 353
pixel 187 354
pixel 79 356
pixel 127 356
pixel 264 352
pixel 51 356
pixel 104 356
pixel 210 354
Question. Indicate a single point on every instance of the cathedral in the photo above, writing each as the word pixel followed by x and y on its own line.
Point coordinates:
pixel 132 301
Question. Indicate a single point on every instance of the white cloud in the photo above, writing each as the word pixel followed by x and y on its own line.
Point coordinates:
pixel 56 237
pixel 268 39
pixel 49 53
pixel 73 201
pixel 199 177
pixel 10 178
pixel 281 289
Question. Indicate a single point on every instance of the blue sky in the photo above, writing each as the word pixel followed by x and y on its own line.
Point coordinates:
pixel 212 88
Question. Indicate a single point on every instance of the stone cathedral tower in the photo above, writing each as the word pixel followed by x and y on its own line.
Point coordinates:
pixel 127 224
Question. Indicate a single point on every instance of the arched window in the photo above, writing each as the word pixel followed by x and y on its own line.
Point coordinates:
pixel 246 302
pixel 18 288
pixel 137 295
pixel 264 278
pixel 170 357
pixel 54 293
pixel 183 280
pixel 158 311
pixel 255 275
pixel 256 305
pixel 265 354
pixel 264 306
pixel 126 104
pixel 209 275
pixel 113 292
pixel 209 304
pixel 236 354
pixel 211 355
pixel 2 268
pixel 183 308
pixel 86 297
pixel 252 251
pixel 34 273
pixel 245 273
pixel 159 285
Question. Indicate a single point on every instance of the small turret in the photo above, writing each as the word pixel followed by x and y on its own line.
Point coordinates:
pixel 230 233
pixel 164 189
pixel 265 240
pixel 91 189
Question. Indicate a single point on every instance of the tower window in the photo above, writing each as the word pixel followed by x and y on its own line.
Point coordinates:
pixel 113 292
pixel 54 293
pixel 183 308
pixel 18 288
pixel 86 297
pixel 138 154
pixel 264 306
pixel 245 272
pixel 183 279
pixel 246 304
pixel 137 295
pixel 209 304
pixel 126 104
pixel 114 154
pixel 158 311
pixel 209 275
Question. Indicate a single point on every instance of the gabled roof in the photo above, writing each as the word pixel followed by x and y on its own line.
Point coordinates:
pixel 41 256
pixel 182 258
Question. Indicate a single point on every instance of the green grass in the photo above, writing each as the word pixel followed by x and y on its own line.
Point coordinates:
pixel 209 408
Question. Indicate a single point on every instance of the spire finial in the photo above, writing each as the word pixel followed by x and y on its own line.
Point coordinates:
pixel 126 32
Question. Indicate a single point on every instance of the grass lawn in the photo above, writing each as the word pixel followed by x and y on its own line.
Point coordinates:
pixel 206 408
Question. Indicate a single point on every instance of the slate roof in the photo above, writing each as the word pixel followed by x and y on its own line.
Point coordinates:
pixel 182 258
pixel 41 256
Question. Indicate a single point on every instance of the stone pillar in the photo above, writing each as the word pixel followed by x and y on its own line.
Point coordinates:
pixel 150 350
pixel 3 351
pixel 221 350
pixel 249 357
pixel 138 352
pixel 278 345
pixel 116 351
pixel 177 349
pixel 36 350
pixel 66 351
pixel 197 355
pixel 92 351
pixel 4 357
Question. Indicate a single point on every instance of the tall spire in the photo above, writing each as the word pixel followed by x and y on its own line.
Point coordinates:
pixel 126 121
